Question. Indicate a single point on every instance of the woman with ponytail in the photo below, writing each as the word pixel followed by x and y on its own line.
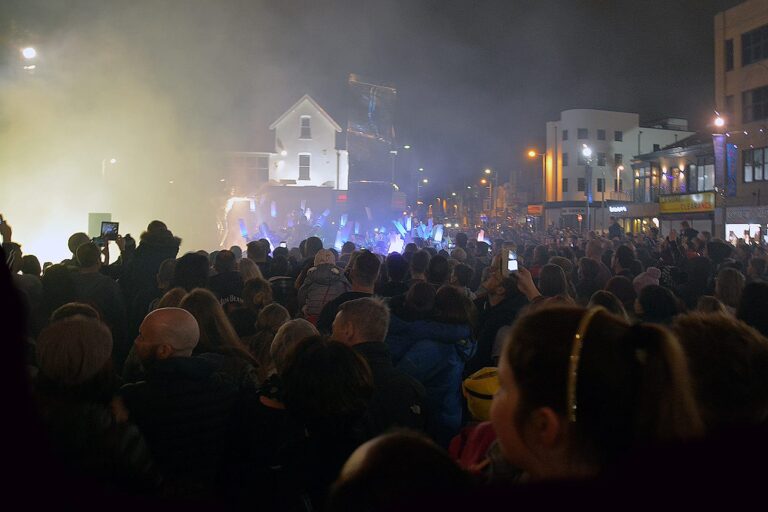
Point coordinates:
pixel 581 389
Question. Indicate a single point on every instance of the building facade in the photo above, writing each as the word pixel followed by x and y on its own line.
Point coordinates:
pixel 613 138
pixel 304 154
pixel 741 97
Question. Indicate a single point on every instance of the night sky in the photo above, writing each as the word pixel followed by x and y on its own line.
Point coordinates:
pixel 476 80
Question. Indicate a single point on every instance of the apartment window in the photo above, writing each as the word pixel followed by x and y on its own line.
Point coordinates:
pixel 618 136
pixel 600 134
pixel 583 133
pixel 582 160
pixel 565 159
pixel 754 45
pixel 701 175
pixel 618 159
pixel 657 147
pixel 754 165
pixel 306 131
pixel 754 104
pixel 618 185
pixel 304 164
pixel 565 185
pixel 601 159
pixel 565 134
pixel 729 54
pixel 581 184
pixel 729 105
pixel 262 168
pixel 601 184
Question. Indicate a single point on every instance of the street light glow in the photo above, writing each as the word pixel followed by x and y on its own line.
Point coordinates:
pixel 453 194
pixel 532 153
pixel 421 169
pixel 586 151
pixel 483 181
pixel 620 168
pixel 719 122
pixel 425 180
pixel 283 153
pixel 488 171
pixel 29 53
pixel 407 146
pixel 113 160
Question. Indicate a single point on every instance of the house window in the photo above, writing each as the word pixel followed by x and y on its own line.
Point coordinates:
pixel 754 45
pixel 582 160
pixel 565 159
pixel 754 104
pixel 657 147
pixel 565 185
pixel 618 159
pixel 601 184
pixel 304 167
pixel 565 134
pixel 618 136
pixel 618 185
pixel 701 175
pixel 601 159
pixel 581 184
pixel 600 134
pixel 306 131
pixel 583 133
pixel 729 54
pixel 754 165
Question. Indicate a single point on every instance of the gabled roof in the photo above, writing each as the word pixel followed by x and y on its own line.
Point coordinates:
pixel 312 102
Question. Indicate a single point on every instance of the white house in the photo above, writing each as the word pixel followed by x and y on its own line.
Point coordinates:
pixel 305 149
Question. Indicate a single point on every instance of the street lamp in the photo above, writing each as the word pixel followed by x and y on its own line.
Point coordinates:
pixel 104 163
pixel 586 152
pixel 532 153
pixel 29 53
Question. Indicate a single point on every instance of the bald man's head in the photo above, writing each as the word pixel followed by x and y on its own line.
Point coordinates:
pixel 167 332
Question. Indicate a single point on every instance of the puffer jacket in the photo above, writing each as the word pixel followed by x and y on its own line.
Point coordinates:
pixel 434 353
pixel 323 284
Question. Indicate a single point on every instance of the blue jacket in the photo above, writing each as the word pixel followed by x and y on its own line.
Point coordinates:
pixel 434 354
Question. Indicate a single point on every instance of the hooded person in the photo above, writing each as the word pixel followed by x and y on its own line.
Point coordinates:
pixel 649 277
pixel 323 283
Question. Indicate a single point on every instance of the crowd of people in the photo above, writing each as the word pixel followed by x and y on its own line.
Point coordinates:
pixel 310 379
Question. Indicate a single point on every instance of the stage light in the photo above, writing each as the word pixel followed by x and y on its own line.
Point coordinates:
pixel 29 53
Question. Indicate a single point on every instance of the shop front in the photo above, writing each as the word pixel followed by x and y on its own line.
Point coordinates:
pixel 747 222
pixel 697 209
pixel 635 217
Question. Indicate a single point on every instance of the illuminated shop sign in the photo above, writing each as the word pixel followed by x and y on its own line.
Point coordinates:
pixel 687 203
pixel 617 209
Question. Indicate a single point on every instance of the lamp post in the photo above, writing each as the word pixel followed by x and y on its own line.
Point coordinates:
pixel 586 152
pixel 30 55
pixel 532 153
pixel 104 163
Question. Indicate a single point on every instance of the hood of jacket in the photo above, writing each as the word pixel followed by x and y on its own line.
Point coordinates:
pixel 161 239
pixel 325 274
pixel 403 335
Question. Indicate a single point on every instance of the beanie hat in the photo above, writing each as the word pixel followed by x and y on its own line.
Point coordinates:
pixel 479 389
pixel 324 256
pixel 650 276
pixel 73 350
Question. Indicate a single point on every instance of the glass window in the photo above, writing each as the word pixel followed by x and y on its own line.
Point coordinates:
pixel 618 159
pixel 304 164
pixel 657 147
pixel 754 45
pixel 747 158
pixel 583 133
pixel 600 134
pixel 581 184
pixel 262 168
pixel 565 185
pixel 758 162
pixel 306 132
pixel 601 159
pixel 618 185
pixel 754 104
pixel 618 136
pixel 582 160
pixel 729 54
pixel 565 159
pixel 565 134
pixel 601 184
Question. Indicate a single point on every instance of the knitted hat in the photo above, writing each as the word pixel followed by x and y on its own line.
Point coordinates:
pixel 324 256
pixel 73 350
pixel 650 276
pixel 479 389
